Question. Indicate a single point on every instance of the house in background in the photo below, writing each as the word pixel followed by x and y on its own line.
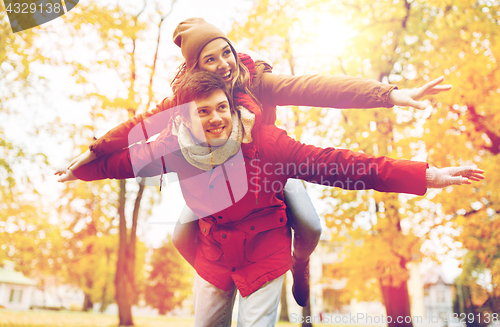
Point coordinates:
pixel 431 291
pixel 56 296
pixel 438 296
pixel 15 288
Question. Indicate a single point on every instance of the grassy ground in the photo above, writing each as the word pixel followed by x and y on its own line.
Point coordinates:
pixel 81 319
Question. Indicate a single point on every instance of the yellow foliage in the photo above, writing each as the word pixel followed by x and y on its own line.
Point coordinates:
pixel 407 45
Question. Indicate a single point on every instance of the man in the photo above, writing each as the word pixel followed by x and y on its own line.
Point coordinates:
pixel 232 171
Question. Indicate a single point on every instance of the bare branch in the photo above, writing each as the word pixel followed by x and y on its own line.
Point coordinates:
pixel 480 125
pixel 153 69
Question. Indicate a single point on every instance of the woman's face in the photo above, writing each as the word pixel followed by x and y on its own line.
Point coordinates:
pixel 217 57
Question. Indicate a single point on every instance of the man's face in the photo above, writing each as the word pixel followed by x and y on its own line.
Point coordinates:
pixel 210 120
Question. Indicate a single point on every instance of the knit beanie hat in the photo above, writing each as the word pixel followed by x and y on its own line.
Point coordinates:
pixel 192 35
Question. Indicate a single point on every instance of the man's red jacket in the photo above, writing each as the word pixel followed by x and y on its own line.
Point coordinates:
pixel 244 236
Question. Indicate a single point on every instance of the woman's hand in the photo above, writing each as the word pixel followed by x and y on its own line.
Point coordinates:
pixel 439 178
pixel 66 175
pixel 82 159
pixel 410 97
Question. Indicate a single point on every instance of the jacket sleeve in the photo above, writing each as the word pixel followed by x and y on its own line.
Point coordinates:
pixel 113 166
pixel 139 160
pixel 340 92
pixel 349 170
pixel 118 137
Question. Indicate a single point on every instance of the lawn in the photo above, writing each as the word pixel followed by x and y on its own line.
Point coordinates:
pixel 82 319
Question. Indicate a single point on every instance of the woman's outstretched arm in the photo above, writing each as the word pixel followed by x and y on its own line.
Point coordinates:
pixel 342 92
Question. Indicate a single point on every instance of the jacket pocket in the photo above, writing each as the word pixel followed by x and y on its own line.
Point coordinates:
pixel 265 236
pixel 208 246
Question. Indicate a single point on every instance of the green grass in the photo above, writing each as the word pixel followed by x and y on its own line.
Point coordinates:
pixel 83 319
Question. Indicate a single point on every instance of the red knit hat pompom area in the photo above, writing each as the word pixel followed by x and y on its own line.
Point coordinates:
pixel 192 35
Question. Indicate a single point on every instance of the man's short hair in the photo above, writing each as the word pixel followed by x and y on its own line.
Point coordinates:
pixel 200 85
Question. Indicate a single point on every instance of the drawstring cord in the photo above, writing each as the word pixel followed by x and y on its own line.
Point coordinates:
pixel 164 170
pixel 228 185
pixel 257 183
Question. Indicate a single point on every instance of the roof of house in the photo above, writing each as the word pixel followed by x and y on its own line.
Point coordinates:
pixel 435 274
pixel 9 276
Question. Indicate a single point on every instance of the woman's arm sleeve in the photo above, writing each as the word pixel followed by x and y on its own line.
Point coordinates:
pixel 350 170
pixel 340 92
pixel 118 138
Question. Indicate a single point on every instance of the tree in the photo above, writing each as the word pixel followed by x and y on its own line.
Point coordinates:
pixel 87 213
pixel 464 130
pixel 170 280
pixel 396 42
pixel 405 40
pixel 26 235
pixel 122 51
pixel 474 293
pixel 276 25
pixel 395 37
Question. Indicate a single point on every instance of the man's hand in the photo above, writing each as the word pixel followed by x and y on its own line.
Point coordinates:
pixel 81 160
pixel 439 178
pixel 410 97
pixel 66 175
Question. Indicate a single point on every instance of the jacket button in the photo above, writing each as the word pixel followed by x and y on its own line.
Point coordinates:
pixel 281 220
pixel 220 217
pixel 233 269
pixel 252 228
pixel 211 186
pixel 224 235
pixel 204 230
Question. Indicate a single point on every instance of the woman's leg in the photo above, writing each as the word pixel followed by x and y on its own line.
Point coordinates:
pixel 260 308
pixel 185 237
pixel 307 231
pixel 303 219
pixel 212 306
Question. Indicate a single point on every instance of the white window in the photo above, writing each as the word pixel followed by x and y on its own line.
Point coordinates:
pixel 15 296
pixel 440 296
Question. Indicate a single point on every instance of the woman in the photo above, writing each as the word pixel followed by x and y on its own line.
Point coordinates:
pixel 205 47
pixel 224 155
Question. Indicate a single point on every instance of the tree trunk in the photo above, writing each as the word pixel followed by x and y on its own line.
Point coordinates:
pixel 306 313
pixel 104 302
pixel 470 308
pixel 124 277
pixel 87 303
pixel 397 304
pixel 284 302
